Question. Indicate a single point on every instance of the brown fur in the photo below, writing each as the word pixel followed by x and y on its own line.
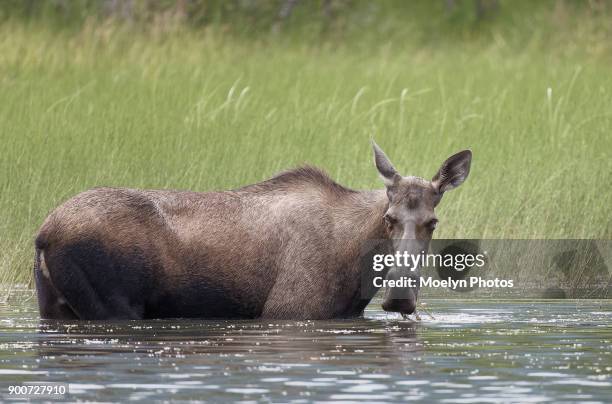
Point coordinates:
pixel 288 247
pixel 274 249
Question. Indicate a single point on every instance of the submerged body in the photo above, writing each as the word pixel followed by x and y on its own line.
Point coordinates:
pixel 285 248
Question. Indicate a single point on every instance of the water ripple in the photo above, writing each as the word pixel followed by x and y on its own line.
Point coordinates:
pixel 469 351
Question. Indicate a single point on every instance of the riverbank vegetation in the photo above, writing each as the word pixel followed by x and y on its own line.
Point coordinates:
pixel 228 97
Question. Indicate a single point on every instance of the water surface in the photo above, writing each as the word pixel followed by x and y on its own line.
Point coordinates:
pixel 470 351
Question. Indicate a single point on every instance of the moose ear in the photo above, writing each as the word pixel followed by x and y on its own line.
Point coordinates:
pixel 453 172
pixel 386 170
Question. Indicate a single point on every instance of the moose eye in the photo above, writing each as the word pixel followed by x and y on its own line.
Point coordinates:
pixel 431 225
pixel 390 220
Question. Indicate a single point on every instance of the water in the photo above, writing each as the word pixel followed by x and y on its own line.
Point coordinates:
pixel 471 351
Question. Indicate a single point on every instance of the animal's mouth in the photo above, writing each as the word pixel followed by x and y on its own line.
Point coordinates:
pixel 403 306
pixel 400 299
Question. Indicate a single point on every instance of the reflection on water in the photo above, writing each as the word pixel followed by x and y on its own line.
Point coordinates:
pixel 470 351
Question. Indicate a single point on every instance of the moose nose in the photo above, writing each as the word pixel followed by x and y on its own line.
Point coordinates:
pixel 404 306
pixel 400 299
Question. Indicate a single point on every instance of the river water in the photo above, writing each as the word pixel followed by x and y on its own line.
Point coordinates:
pixel 467 351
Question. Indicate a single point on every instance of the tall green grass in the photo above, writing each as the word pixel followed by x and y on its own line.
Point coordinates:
pixel 114 105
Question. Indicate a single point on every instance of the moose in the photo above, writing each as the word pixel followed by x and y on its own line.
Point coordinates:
pixel 284 248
